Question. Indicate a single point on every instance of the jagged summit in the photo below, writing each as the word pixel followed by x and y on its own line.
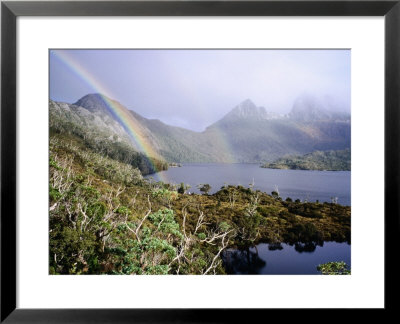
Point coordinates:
pixel 248 110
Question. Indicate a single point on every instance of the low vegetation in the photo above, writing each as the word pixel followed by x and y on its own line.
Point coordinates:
pixel 334 268
pixel 106 219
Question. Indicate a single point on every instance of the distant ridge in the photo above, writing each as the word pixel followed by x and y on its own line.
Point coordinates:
pixel 248 133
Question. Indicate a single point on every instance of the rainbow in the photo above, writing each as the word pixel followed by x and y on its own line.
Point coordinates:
pixel 122 114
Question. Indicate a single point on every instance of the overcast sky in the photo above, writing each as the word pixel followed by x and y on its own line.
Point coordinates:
pixel 195 88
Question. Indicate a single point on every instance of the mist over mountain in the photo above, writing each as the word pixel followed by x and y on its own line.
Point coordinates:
pixel 310 108
pixel 255 135
pixel 247 134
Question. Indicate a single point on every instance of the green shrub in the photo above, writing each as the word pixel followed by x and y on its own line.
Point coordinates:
pixel 334 268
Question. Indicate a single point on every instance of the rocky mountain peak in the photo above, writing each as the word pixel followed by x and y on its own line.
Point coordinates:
pixel 94 102
pixel 248 109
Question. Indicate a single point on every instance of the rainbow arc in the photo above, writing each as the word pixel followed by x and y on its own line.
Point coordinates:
pixel 121 114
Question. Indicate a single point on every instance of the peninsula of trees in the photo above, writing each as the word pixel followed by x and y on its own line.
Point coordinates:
pixel 317 160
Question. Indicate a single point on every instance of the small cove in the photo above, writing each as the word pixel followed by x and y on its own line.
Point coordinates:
pixel 283 258
pixel 296 184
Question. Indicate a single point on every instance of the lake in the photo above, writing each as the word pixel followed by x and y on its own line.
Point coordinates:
pixel 296 184
pixel 284 259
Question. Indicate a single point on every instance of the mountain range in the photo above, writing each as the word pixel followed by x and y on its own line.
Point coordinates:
pixel 247 134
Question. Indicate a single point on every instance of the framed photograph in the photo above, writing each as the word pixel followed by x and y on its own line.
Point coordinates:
pixel 162 159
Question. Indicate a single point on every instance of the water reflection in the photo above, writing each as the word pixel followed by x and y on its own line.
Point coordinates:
pixel 281 258
pixel 275 246
pixel 307 247
pixel 243 261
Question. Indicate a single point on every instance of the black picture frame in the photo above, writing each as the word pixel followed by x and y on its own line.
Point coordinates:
pixel 10 10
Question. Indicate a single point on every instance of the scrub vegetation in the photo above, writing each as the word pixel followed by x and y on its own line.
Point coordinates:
pixel 105 218
pixel 334 268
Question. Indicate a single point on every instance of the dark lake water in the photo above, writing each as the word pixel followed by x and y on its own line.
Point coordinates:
pixel 284 259
pixel 296 184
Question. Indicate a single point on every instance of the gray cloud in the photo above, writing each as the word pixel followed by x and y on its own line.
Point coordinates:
pixel 194 88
